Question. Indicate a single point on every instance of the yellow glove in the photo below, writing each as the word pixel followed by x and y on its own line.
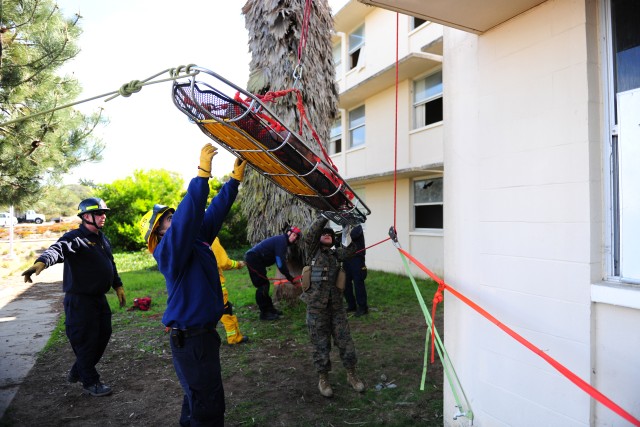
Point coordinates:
pixel 206 155
pixel 121 297
pixel 238 169
pixel 35 268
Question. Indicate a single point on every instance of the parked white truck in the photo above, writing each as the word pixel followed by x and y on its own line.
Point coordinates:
pixel 31 216
pixel 6 219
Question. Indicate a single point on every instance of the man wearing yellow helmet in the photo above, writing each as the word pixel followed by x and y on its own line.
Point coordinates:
pixel 180 242
pixel 151 221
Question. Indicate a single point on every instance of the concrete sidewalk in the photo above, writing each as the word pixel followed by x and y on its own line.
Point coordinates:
pixel 28 315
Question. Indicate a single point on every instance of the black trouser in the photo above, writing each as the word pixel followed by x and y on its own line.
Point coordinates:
pixel 196 359
pixel 258 275
pixel 88 327
pixel 355 274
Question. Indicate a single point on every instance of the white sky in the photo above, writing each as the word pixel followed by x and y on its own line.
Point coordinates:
pixel 125 40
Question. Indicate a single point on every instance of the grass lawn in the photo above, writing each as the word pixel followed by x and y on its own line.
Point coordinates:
pixel 269 381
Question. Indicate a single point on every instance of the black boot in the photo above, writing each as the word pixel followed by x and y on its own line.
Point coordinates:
pixel 268 315
pixel 98 389
pixel 362 311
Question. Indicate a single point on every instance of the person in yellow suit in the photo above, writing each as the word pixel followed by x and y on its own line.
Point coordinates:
pixel 229 320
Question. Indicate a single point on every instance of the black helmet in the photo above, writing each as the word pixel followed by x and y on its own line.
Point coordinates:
pixel 329 230
pixel 93 204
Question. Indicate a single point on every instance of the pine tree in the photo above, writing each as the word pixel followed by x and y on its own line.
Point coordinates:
pixel 36 41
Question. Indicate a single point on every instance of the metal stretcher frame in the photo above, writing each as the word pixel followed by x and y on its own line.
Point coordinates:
pixel 250 130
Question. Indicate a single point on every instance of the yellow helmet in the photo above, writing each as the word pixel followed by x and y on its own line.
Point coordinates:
pixel 149 223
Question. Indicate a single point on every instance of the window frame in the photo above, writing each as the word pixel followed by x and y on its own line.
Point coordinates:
pixel 418 105
pixel 356 50
pixel 351 128
pixel 415 205
pixel 412 22
pixel 337 60
pixel 336 138
pixel 614 185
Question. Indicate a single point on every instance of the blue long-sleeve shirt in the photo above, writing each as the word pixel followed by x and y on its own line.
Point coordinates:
pixel 186 260
pixel 357 240
pixel 273 250
pixel 89 268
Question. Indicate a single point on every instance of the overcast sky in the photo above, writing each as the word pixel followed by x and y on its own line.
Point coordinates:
pixel 125 40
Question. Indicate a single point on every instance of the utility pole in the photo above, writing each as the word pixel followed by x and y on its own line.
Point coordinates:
pixel 11 254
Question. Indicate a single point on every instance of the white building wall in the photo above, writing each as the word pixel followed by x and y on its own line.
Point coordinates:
pixel 380 43
pixel 371 166
pixel 616 367
pixel 519 214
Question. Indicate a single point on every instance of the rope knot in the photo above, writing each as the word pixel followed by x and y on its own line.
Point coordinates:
pixel 129 88
pixel 438 297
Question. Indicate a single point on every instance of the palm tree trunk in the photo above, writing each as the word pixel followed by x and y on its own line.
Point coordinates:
pixel 275 28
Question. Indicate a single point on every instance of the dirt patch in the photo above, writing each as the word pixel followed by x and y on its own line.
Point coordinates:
pixel 21 252
pixel 267 383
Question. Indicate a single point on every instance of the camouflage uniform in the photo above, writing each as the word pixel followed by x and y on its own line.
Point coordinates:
pixel 326 314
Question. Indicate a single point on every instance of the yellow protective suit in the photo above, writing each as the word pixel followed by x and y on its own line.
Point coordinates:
pixel 229 320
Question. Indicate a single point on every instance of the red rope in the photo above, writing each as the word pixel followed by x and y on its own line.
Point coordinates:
pixel 304 30
pixel 395 159
pixel 304 120
pixel 588 388
pixel 275 280
pixel 375 244
pixel 296 282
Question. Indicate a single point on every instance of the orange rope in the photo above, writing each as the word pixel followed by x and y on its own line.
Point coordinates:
pixel 588 388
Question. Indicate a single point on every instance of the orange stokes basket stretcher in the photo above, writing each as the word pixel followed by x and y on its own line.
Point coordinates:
pixel 249 130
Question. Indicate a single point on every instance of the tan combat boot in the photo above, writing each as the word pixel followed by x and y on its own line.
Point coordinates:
pixel 352 378
pixel 324 386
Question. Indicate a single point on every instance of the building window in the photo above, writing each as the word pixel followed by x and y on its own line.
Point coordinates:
pixel 416 22
pixel 427 100
pixel 623 110
pixel 335 141
pixel 337 60
pixel 356 127
pixel 427 203
pixel 356 44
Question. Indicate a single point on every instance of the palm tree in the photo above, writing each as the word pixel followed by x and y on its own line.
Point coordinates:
pixel 275 28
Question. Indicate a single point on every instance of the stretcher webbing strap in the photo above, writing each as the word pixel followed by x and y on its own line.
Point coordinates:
pixel 586 387
pixel 304 120
pixel 277 172
pixel 449 370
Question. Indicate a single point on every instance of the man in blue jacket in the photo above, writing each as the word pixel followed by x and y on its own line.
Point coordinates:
pixel 272 250
pixel 180 242
pixel 355 291
pixel 89 273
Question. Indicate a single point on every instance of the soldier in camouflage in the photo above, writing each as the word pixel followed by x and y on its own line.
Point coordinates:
pixel 323 285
